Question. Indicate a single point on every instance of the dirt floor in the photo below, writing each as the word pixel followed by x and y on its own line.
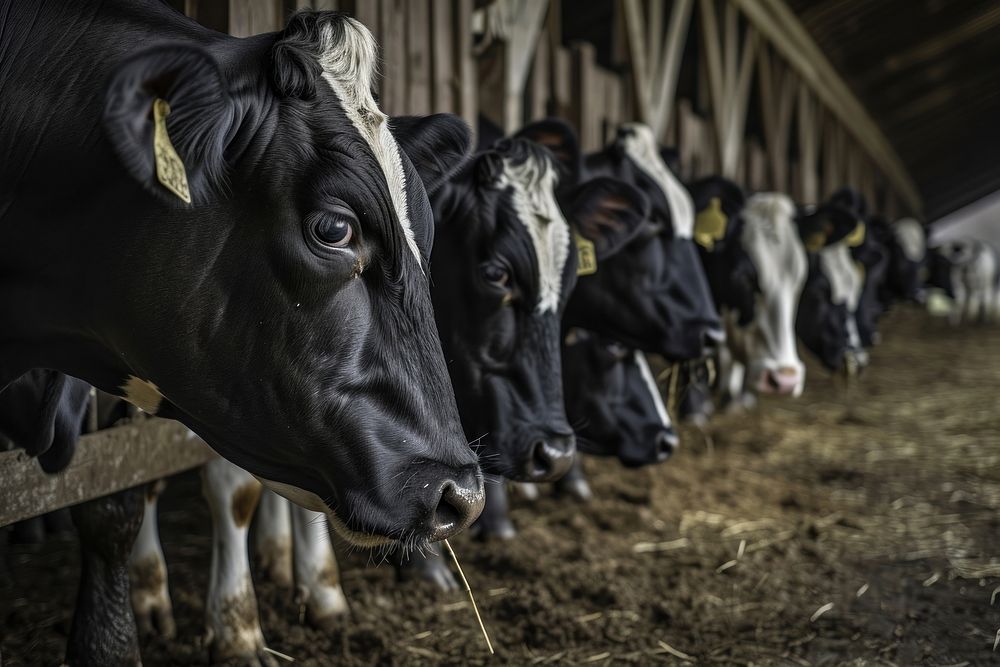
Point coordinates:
pixel 852 526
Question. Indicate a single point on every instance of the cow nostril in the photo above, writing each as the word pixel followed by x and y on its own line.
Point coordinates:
pixel 551 458
pixel 458 506
pixel 666 443
pixel 447 515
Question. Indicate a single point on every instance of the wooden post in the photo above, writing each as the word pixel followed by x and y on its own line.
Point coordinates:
pixel 778 86
pixel 730 70
pixel 392 24
pixel 418 58
pixel 251 17
pixel 468 96
pixel 655 58
pixel 443 75
pixel 809 133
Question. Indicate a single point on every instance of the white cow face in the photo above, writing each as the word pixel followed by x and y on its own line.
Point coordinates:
pixel 767 345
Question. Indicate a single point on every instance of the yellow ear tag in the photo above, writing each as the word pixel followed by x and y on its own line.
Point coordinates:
pixel 816 241
pixel 857 237
pixel 169 167
pixel 710 225
pixel 587 263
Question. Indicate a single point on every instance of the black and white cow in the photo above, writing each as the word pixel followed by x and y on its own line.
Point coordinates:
pixel 612 395
pixel 274 297
pixel 907 264
pixel 649 291
pixel 754 253
pixel 826 321
pixel 972 278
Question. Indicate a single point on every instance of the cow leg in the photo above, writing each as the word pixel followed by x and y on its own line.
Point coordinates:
pixel 574 483
pixel 317 577
pixel 232 624
pixel 428 566
pixel 103 631
pixel 148 573
pixel 494 522
pixel 273 538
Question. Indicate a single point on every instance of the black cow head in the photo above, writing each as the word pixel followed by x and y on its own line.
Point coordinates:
pixel 284 313
pixel 872 258
pixel 649 290
pixel 611 395
pixel 503 268
pixel 826 321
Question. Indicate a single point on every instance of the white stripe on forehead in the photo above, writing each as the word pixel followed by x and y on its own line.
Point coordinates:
pixel 641 146
pixel 349 66
pixel 910 235
pixel 654 392
pixel 534 183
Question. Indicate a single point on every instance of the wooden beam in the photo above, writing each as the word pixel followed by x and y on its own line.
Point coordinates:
pixel 809 133
pixel 251 17
pixel 105 462
pixel 778 25
pixel 730 69
pixel 638 55
pixel 665 82
pixel 468 95
pixel 778 86
pixel 418 58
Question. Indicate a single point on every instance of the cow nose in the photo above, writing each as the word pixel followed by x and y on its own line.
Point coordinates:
pixel 711 339
pixel 459 502
pixel 666 443
pixel 783 381
pixel 551 458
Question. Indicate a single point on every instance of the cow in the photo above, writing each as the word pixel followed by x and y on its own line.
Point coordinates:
pixel 826 320
pixel 908 261
pixel 649 291
pixel 229 233
pixel 754 253
pixel 613 398
pixel 972 279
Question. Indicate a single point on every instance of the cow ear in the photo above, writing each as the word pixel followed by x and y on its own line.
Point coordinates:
pixel 825 225
pixel 437 145
pixel 167 115
pixel 718 202
pixel 559 138
pixel 607 212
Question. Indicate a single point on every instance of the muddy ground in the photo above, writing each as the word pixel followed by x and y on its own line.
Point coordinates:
pixel 851 526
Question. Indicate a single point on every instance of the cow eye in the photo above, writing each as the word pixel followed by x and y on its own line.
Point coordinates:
pixel 332 229
pixel 495 274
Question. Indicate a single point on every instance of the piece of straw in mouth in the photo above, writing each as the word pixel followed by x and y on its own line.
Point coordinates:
pixel 475 608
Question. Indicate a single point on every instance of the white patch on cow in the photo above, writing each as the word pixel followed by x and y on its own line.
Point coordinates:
pixel 654 392
pixel 974 269
pixel 845 282
pixel 311 501
pixel 771 239
pixel 349 66
pixel 910 235
pixel 533 183
pixel 642 147
pixel 142 394
pixel 845 286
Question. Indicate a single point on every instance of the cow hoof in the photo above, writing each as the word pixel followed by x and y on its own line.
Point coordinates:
pixel 576 488
pixel 324 607
pixel 431 568
pixel 527 490
pixel 156 621
pixel 240 656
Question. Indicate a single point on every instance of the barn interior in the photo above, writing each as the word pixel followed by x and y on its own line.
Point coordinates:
pixel 856 524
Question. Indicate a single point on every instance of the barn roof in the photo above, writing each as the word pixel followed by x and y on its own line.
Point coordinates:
pixel 928 72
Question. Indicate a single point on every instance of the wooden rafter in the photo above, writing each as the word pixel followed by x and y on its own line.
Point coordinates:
pixel 656 57
pixel 730 71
